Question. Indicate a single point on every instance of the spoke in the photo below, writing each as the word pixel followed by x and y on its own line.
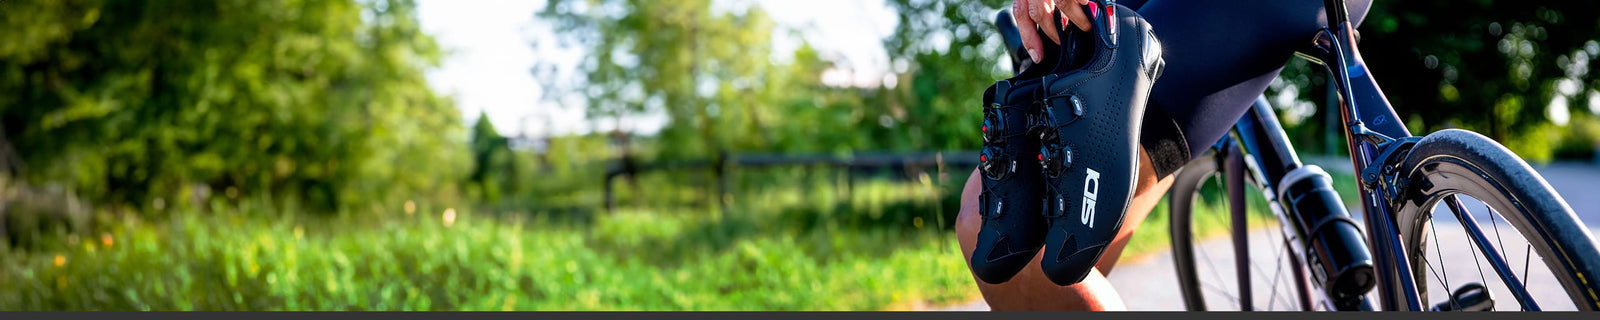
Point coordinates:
pixel 1496 226
pixel 1493 254
pixel 1207 257
pixel 1222 291
pixel 1502 248
pixel 1527 256
pixel 1213 266
pixel 1481 278
pixel 1259 271
pixel 1299 271
pixel 1214 273
pixel 1446 274
pixel 1278 273
pixel 1274 292
pixel 1436 273
pixel 1277 276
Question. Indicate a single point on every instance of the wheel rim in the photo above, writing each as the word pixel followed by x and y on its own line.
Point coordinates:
pixel 1211 265
pixel 1447 251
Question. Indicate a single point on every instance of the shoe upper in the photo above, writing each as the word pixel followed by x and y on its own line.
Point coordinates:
pixel 1059 146
pixel 1012 231
pixel 1092 109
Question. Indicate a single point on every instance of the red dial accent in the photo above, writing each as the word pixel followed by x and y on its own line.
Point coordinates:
pixel 1110 14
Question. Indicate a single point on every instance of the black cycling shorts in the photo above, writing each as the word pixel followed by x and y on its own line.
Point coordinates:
pixel 1220 55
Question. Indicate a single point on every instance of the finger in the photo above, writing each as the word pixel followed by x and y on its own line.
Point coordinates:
pixel 1074 13
pixel 1025 28
pixel 1043 14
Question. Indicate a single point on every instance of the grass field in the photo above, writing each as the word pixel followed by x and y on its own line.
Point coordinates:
pixel 877 244
pixel 774 256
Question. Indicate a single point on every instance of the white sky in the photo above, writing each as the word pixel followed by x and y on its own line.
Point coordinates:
pixel 490 55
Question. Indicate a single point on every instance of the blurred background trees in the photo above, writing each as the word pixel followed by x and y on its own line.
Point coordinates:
pixel 227 121
pixel 1517 71
pixel 320 101
pixel 323 102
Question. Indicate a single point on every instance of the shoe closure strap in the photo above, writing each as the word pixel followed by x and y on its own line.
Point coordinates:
pixel 995 103
pixel 1061 100
pixel 1105 23
pixel 1102 13
pixel 1058 87
pixel 984 209
pixel 1053 206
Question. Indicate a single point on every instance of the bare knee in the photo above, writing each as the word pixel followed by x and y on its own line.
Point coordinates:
pixel 1030 289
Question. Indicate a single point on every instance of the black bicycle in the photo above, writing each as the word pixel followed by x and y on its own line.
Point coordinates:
pixel 1320 257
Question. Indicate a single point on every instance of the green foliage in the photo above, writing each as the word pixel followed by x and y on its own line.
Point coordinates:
pixel 256 257
pixel 1496 67
pixel 678 58
pixel 318 100
pixel 567 176
pixel 1583 138
pixel 495 170
pixel 715 76
pixel 946 79
pixel 295 106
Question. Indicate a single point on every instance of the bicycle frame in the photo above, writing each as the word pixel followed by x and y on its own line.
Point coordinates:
pixel 1258 145
pixel 1374 135
pixel 1376 139
pixel 1369 125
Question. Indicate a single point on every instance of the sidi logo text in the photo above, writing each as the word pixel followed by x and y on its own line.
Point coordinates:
pixel 1091 188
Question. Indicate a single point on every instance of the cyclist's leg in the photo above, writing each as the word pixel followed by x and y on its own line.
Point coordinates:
pixel 1147 194
pixel 1220 55
pixel 1217 64
pixel 1030 289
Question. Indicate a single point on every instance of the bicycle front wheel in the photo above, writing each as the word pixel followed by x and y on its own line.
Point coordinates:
pixel 1207 263
pixel 1499 213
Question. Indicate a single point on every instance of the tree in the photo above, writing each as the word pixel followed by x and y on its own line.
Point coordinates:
pixel 952 53
pixel 710 73
pixel 1497 67
pixel 494 171
pixel 320 100
pixel 1515 71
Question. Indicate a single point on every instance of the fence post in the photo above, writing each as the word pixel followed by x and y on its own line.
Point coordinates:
pixel 611 196
pixel 723 198
pixel 626 165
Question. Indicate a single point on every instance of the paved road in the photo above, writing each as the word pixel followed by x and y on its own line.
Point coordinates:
pixel 1151 278
pixel 1579 184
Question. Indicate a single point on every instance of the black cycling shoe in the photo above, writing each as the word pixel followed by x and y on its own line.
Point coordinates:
pixel 1089 136
pixel 1012 232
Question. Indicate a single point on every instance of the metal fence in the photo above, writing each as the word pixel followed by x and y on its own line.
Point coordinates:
pixel 723 163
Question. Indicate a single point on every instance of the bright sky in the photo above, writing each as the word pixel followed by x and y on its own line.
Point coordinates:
pixel 489 40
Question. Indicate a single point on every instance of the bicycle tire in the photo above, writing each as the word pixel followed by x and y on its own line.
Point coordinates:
pixel 1453 162
pixel 1186 186
pixel 1180 205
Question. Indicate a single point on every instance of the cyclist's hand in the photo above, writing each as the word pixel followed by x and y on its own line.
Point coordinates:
pixel 1039 14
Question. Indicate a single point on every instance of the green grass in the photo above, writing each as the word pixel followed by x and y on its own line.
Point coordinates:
pixel 767 254
pixel 803 244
